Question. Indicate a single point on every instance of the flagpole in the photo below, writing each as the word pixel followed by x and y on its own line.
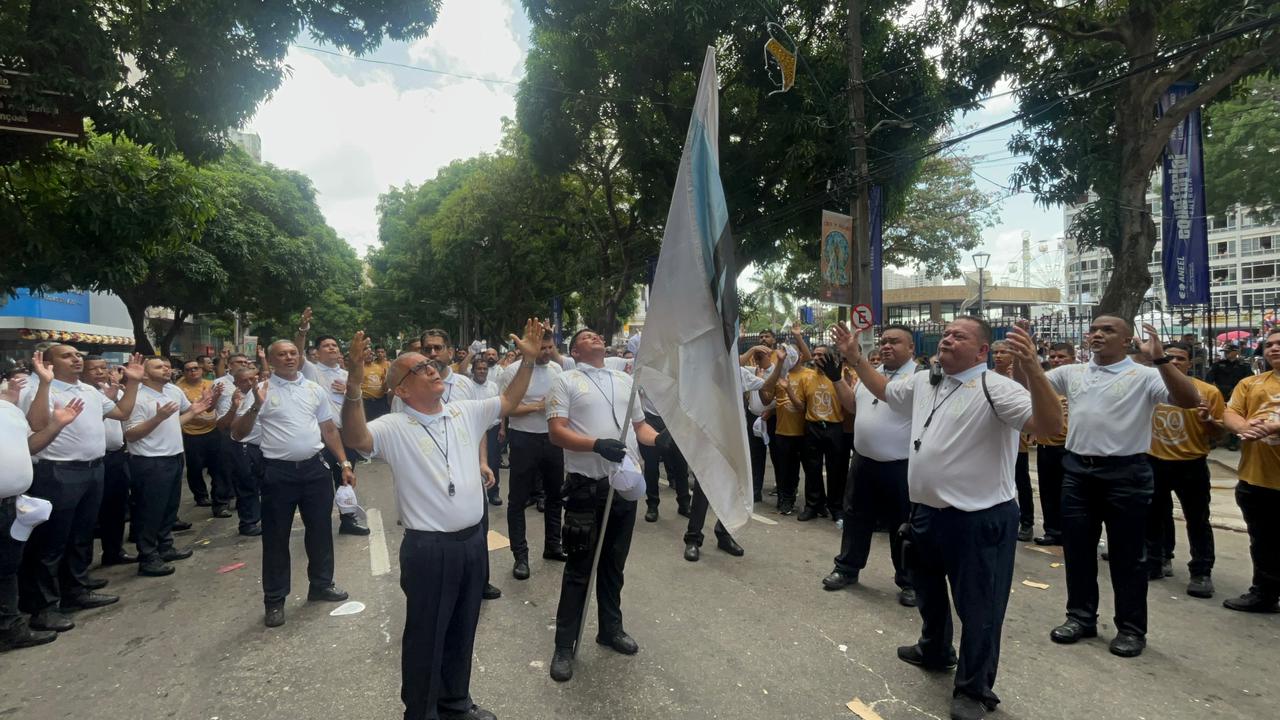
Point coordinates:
pixel 604 521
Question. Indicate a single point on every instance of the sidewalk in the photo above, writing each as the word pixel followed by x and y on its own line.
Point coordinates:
pixel 1224 514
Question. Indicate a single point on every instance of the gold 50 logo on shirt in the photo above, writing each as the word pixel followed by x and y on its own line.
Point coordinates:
pixel 1169 425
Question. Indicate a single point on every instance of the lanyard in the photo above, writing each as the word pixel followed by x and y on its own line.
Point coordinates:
pixel 613 412
pixel 929 420
pixel 443 451
pixel 875 400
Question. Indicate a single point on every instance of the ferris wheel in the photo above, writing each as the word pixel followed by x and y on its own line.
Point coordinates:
pixel 1040 264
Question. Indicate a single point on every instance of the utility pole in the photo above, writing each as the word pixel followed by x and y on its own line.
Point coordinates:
pixel 859 207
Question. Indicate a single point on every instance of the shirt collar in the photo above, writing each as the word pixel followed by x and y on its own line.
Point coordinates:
pixel 423 418
pixel 971 373
pixel 57 384
pixel 296 381
pixel 593 369
pixel 1114 368
pixel 450 379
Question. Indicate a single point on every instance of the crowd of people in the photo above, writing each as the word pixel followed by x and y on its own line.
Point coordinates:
pixel 935 451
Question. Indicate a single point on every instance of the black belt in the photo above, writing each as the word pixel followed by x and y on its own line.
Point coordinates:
pixel 824 424
pixel 118 451
pixel 1109 460
pixel 293 463
pixel 77 464
pixel 442 535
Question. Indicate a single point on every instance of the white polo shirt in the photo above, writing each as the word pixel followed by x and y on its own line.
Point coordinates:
pixel 484 391
pixel 166 439
pixel 539 385
pixel 114 430
pixel 255 434
pixel 622 365
pixel 754 402
pixel 1111 406
pixel 223 406
pixel 290 419
pixel 15 461
pixel 967 454
pixel 325 377
pixel 595 402
pixel 881 432
pixel 427 452
pixel 86 437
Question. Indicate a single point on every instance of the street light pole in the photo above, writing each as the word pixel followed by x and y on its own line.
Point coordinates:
pixel 980 260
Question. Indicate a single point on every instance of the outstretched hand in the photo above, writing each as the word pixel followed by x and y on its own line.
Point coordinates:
pixel 1023 347
pixel 43 370
pixel 1152 345
pixel 67 414
pixel 355 366
pixel 531 343
pixel 846 341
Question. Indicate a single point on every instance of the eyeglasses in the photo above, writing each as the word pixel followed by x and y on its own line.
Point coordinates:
pixel 418 369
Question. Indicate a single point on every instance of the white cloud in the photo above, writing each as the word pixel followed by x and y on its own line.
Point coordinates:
pixel 355 132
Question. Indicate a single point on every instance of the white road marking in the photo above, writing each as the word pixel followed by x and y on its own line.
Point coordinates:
pixel 760 518
pixel 379 558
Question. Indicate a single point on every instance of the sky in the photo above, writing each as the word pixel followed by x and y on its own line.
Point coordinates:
pixel 358 128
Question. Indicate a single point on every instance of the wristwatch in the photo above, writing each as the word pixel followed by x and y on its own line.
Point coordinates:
pixel 346 464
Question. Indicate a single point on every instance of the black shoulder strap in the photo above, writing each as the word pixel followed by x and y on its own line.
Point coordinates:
pixel 987 393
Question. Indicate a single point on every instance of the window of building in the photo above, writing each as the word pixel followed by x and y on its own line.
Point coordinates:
pixel 1156 255
pixel 1225 299
pixel 1225 275
pixel 1258 272
pixel 1222 248
pixel 1231 220
pixel 1257 246
pixel 949 310
pixel 1217 222
pixel 1265 298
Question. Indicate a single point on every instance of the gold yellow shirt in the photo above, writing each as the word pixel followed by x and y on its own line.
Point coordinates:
pixel 371 385
pixel 1061 438
pixel 1258 397
pixel 1178 433
pixel 204 422
pixel 790 419
pixel 821 403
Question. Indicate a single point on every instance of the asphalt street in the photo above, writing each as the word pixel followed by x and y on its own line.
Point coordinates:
pixel 734 638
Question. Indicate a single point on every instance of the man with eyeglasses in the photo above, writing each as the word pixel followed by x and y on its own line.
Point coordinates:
pixel 202 444
pixel 586 409
pixel 327 372
pixel 433 449
pixel 295 419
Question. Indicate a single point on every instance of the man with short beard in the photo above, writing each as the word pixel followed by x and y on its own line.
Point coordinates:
pixel 243 458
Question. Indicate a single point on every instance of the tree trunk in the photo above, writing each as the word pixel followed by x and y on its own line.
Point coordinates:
pixel 166 340
pixel 1130 278
pixel 138 316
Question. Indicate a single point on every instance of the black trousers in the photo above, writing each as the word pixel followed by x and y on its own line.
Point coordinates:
pixel 375 408
pixel 824 447
pixel 877 491
pixel 787 450
pixel 1190 480
pixel 698 519
pixel 974 551
pixel 1049 468
pixel 1115 492
pixel 1026 499
pixel 157 490
pixel 305 486
pixel 584 503
pixel 335 471
pixel 442 575
pixel 493 455
pixel 535 463
pixel 244 463
pixel 115 502
pixel 55 562
pixel 677 468
pixel 11 618
pixel 1261 509
pixel 204 452
pixel 759 453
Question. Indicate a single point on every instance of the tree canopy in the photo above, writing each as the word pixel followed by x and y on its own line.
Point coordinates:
pixel 1242 149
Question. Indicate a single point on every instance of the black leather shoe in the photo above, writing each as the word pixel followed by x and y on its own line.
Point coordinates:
pixel 123 558
pixel 692 552
pixel 475 713
pixel 221 511
pixel 50 619
pixel 253 530
pixel 1155 573
pixel 1127 645
pixel 730 546
pixel 838 580
pixel 97 583
pixel 349 525
pixel 912 654
pixel 555 553
pixel 620 642
pixel 786 508
pixel 521 570
pixel 1252 602
pixel 1071 631
pixel 542 504
pixel 907 597
pixel 1166 568
pixel 22 636
pixel 1047 540
pixel 807 514
pixel 1201 586
pixel 1025 533
pixel 496 501
pixel 175 554
pixel 490 592
pixel 682 510
pixel 181 526
pixel 562 665
pixel 203 502
pixel 89 601
pixel 274 616
pixel 964 707
pixel 328 594
pixel 155 568
pixel 651 515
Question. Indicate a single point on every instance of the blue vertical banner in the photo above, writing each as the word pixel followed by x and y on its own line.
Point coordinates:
pixel 876 203
pixel 1184 227
pixel 557 318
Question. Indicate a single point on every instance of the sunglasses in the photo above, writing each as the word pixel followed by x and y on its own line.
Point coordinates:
pixel 418 369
